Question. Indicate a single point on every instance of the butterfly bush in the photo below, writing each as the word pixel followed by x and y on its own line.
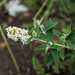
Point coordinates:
pixel 16 33
pixel 44 33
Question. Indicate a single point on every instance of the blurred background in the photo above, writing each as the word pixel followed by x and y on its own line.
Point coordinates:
pixel 20 13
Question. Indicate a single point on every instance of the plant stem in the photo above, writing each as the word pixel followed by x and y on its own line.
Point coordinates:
pixel 10 51
pixel 1 3
pixel 40 10
pixel 42 30
pixel 51 43
pixel 46 13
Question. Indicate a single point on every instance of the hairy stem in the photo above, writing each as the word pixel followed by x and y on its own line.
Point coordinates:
pixel 42 30
pixel 10 51
pixel 51 43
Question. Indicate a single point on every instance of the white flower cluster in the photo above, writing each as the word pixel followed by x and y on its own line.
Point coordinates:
pixel 15 34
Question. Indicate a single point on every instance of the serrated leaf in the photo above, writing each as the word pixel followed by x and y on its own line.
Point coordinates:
pixel 55 55
pixel 29 40
pixel 55 47
pixel 50 24
pixel 61 38
pixel 68 43
pixel 61 55
pixel 73 55
pixel 50 59
pixel 41 47
pixel 73 68
pixel 71 36
pixel 46 37
pixel 68 30
pixel 56 32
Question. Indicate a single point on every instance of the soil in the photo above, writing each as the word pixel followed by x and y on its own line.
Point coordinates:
pixel 23 55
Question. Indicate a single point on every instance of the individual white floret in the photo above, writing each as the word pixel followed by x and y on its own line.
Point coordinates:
pixel 24 32
pixel 23 39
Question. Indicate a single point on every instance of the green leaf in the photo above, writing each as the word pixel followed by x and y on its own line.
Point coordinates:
pixel 29 40
pixel 68 43
pixel 61 55
pixel 49 33
pixel 55 55
pixel 55 47
pixel 55 69
pixel 42 26
pixel 50 24
pixel 30 31
pixel 68 30
pixel 73 55
pixel 37 29
pixel 61 38
pixel 37 66
pixel 71 36
pixel 46 37
pixel 46 50
pixel 46 74
pixel 41 47
pixel 36 21
pixel 73 68
pixel 34 59
pixel 40 32
pixel 50 59
pixel 56 32
pixel 47 47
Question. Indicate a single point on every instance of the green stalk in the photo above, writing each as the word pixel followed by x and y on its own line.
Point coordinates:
pixel 50 43
pixel 10 51
pixel 47 12
pixel 40 10
pixel 4 1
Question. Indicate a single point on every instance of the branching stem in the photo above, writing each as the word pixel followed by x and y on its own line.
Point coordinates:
pixel 63 46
